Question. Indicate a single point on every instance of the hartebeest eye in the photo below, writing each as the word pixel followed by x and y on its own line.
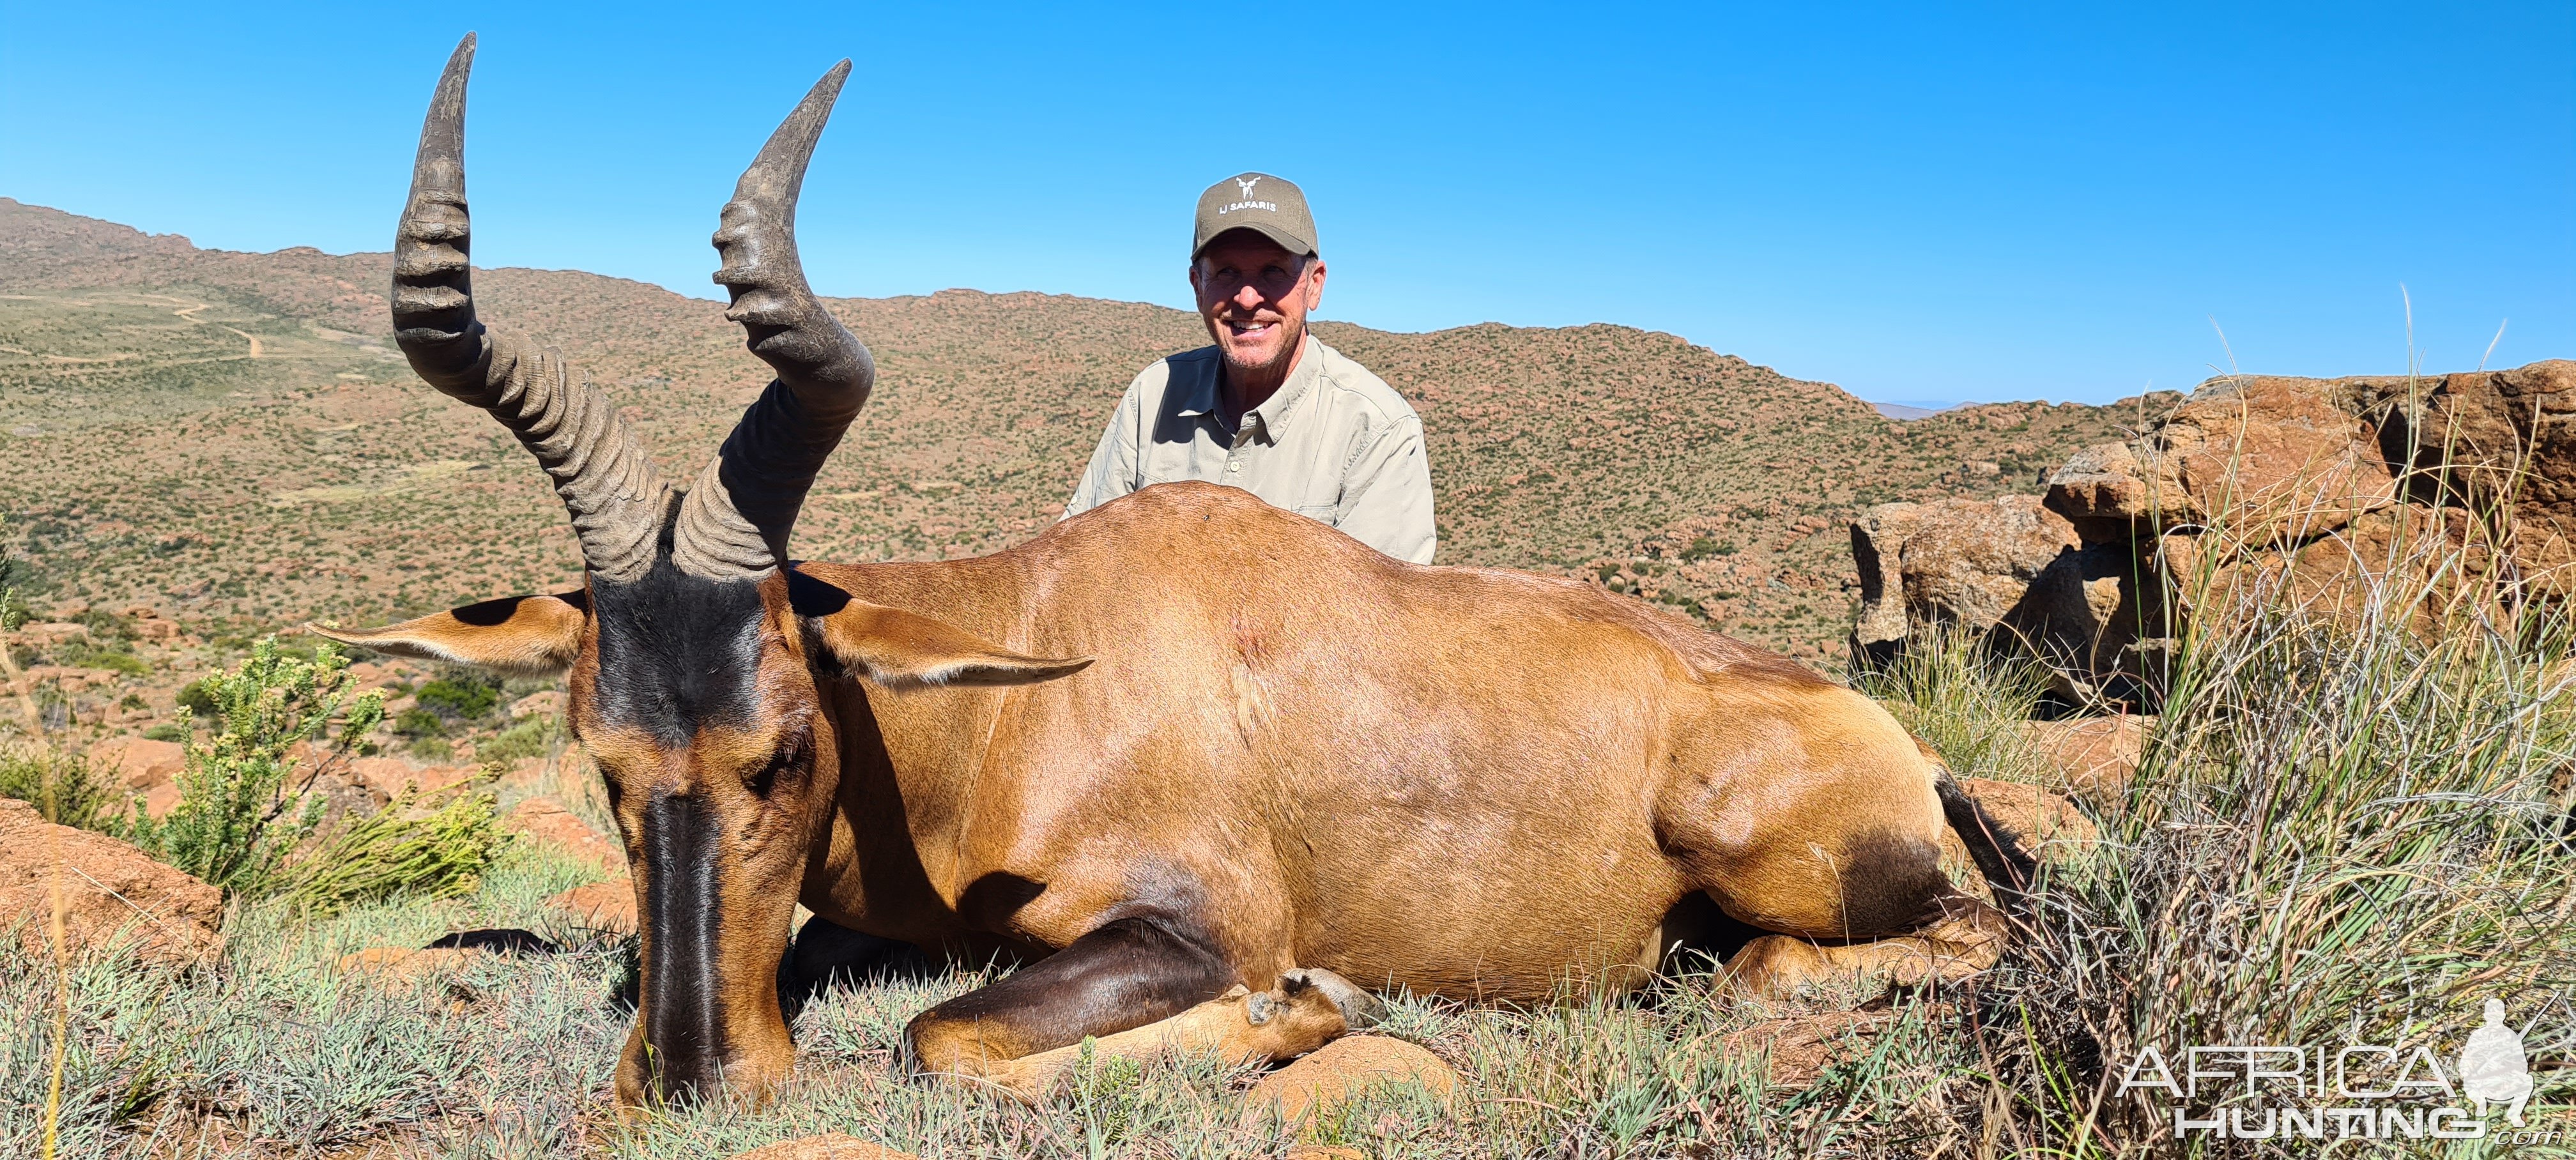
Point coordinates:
pixel 795 752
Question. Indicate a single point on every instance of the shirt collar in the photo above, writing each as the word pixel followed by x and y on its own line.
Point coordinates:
pixel 1199 394
pixel 1274 412
pixel 1272 415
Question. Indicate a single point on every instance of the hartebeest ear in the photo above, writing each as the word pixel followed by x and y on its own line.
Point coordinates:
pixel 531 635
pixel 901 649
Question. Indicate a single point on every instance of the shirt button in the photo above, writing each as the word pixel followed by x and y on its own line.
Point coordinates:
pixel 1234 467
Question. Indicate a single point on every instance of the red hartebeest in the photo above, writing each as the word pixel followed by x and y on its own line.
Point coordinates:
pixel 1179 748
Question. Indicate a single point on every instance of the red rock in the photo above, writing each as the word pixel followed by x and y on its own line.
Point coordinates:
pixel 608 905
pixel 1800 1046
pixel 1343 1070
pixel 2048 823
pixel 387 777
pixel 544 819
pixel 2094 756
pixel 405 970
pixel 140 763
pixel 829 1146
pixel 549 703
pixel 52 634
pixel 115 898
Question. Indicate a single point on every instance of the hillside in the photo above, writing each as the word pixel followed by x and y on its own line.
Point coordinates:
pixel 231 438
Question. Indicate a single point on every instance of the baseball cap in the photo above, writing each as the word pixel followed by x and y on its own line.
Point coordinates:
pixel 1271 206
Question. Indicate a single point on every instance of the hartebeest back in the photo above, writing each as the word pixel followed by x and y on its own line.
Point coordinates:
pixel 1266 757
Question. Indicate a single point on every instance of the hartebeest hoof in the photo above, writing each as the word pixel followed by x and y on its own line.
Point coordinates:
pixel 1359 1008
pixel 1238 1027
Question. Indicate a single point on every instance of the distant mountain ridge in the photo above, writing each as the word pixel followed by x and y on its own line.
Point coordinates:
pixel 321 479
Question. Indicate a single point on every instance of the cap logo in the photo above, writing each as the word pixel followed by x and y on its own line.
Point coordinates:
pixel 1247 183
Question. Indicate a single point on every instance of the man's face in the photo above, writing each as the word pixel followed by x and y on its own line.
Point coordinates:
pixel 1254 296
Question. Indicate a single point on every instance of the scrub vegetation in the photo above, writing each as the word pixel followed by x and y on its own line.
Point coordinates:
pixel 2345 830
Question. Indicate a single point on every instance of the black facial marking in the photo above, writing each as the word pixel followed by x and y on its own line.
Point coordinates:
pixel 677 652
pixel 683 1000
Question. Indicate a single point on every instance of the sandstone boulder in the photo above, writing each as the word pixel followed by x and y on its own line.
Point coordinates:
pixel 140 763
pixel 1341 1071
pixel 114 897
pixel 2491 434
pixel 387 777
pixel 2007 569
pixel 2092 758
pixel 41 633
pixel 1969 562
pixel 2271 456
pixel 549 703
pixel 829 1146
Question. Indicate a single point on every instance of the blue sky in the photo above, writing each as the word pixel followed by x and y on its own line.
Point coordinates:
pixel 1919 203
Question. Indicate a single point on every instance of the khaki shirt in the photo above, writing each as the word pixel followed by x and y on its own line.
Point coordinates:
pixel 1334 443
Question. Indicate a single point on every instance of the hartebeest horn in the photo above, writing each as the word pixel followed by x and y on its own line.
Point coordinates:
pixel 735 520
pixel 616 497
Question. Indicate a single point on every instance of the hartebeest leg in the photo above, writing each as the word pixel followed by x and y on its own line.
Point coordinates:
pixel 1138 988
pixel 1968 938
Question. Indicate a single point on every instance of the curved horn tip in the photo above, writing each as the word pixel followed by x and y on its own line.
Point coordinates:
pixel 461 61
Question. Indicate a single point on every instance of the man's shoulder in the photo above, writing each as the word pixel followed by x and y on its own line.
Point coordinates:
pixel 1188 366
pixel 1348 384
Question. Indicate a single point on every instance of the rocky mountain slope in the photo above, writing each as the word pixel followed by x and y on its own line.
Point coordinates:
pixel 231 439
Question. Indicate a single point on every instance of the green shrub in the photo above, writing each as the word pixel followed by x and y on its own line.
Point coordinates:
pixel 198 697
pixel 531 737
pixel 241 802
pixel 399 850
pixel 65 788
pixel 113 660
pixel 166 731
pixel 418 722
pixel 459 698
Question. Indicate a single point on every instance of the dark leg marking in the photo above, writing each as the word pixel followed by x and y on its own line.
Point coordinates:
pixel 1126 974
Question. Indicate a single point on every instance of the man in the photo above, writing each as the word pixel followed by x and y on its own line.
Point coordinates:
pixel 1269 408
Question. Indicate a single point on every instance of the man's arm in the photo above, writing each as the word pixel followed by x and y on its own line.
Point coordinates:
pixel 1113 464
pixel 1386 494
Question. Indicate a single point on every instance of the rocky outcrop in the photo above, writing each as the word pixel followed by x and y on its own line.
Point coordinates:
pixel 1980 566
pixel 140 765
pixel 2254 490
pixel 114 898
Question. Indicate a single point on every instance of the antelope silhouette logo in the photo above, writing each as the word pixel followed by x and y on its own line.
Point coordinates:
pixel 1247 183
